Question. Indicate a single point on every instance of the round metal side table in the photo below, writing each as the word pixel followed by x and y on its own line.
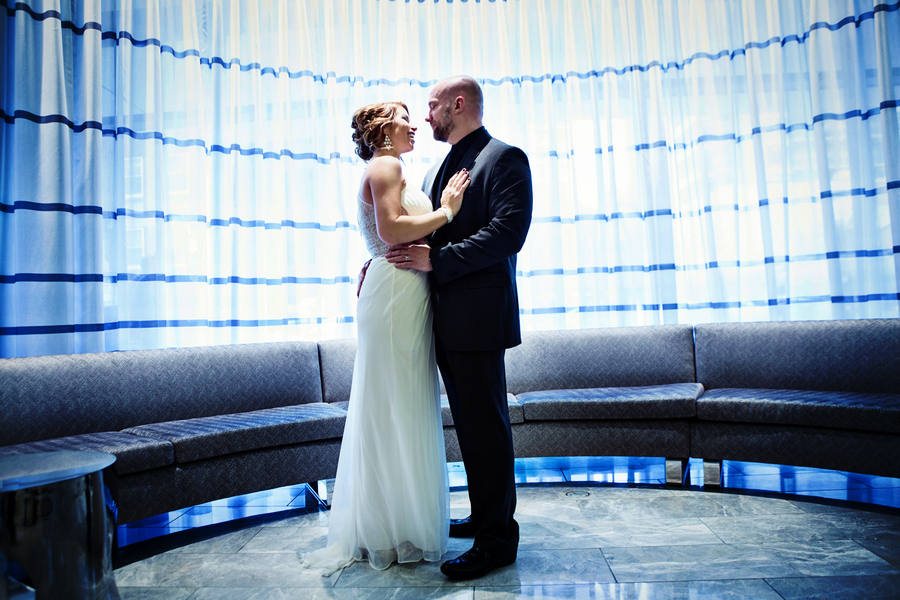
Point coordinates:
pixel 55 523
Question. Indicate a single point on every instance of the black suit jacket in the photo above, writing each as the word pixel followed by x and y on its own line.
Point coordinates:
pixel 473 285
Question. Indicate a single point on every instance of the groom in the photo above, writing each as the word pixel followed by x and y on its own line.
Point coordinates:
pixel 472 261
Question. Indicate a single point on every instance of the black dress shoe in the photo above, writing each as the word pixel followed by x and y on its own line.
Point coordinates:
pixel 462 528
pixel 475 563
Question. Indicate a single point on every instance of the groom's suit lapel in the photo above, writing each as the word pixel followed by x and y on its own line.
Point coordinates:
pixel 472 153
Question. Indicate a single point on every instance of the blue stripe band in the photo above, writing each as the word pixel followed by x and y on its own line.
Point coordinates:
pixel 233 279
pixel 155 214
pixel 159 277
pixel 712 305
pixel 539 220
pixel 153 324
pixel 238 149
pixel 553 78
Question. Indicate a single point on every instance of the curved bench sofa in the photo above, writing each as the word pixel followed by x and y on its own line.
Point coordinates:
pixel 192 425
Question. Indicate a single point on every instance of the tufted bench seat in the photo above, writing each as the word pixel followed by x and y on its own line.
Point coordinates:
pixel 187 425
pixel 193 425
pixel 814 393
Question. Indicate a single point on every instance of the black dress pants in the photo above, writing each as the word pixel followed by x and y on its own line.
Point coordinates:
pixel 476 387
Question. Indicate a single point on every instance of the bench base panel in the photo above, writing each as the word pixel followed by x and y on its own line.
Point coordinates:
pixel 821 448
pixel 151 493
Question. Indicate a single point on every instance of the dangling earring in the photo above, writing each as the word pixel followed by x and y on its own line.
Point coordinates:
pixel 388 145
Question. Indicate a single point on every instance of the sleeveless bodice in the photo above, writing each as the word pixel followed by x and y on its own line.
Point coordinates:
pixel 413 200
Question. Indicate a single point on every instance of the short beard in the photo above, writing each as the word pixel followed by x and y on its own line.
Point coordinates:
pixel 444 127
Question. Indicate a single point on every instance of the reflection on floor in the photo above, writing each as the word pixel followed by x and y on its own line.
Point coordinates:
pixel 591 527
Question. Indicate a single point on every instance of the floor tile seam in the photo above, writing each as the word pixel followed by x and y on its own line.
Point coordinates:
pixel 839 538
pixel 276 526
pixel 622 584
pixel 866 551
pixel 248 540
pixel 884 560
pixel 663 518
pixel 763 579
pixel 772 587
pixel 608 566
pixel 712 531
pixel 193 590
pixel 764 545
pixel 780 516
pixel 624 523
pixel 835 576
pixel 538 549
pixel 618 487
pixel 845 520
pixel 447 584
pixel 604 549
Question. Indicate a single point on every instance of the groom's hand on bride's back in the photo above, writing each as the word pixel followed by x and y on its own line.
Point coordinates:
pixel 412 255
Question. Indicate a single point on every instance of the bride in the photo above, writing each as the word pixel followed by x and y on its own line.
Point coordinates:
pixel 391 491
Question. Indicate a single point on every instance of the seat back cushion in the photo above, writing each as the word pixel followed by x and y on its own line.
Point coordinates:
pixel 601 358
pixel 337 358
pixel 860 355
pixel 45 397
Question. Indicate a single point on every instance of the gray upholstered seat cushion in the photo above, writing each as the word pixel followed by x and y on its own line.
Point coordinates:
pixel 674 401
pixel 840 356
pixel 837 410
pixel 133 453
pixel 516 412
pixel 207 437
pixel 601 358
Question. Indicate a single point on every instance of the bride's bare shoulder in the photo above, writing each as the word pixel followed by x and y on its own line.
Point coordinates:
pixel 384 172
pixel 384 166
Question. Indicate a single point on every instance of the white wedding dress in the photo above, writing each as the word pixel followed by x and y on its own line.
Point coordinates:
pixel 391 491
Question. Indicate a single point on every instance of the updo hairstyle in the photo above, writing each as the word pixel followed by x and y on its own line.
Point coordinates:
pixel 369 123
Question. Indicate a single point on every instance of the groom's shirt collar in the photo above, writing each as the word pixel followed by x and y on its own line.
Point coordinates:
pixel 462 146
pixel 455 158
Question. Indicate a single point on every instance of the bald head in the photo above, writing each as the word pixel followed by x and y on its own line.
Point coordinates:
pixel 455 108
pixel 468 88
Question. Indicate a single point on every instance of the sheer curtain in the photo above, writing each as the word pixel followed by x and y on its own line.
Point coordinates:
pixel 180 172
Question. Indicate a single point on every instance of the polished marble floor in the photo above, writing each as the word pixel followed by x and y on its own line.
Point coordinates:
pixel 591 528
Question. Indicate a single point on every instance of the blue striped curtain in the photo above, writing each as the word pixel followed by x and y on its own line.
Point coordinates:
pixel 180 172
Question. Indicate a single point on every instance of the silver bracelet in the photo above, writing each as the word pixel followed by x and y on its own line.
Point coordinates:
pixel 447 213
